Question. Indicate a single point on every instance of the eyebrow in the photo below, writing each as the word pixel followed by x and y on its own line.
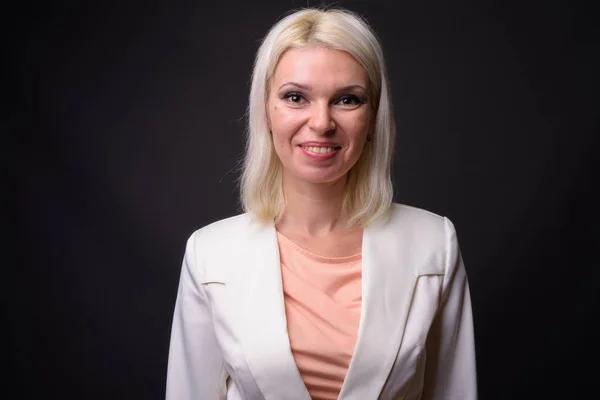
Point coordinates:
pixel 305 87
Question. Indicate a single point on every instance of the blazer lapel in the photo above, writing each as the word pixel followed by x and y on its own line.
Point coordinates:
pixel 263 334
pixel 388 282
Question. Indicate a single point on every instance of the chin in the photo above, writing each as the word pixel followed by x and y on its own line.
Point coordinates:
pixel 319 178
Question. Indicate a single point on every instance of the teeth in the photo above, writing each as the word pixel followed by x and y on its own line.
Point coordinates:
pixel 319 150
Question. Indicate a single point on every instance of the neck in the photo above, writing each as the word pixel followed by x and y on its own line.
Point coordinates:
pixel 313 209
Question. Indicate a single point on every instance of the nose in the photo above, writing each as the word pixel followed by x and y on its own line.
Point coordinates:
pixel 320 119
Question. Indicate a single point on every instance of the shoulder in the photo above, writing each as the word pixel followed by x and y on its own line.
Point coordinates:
pixel 402 213
pixel 221 232
pixel 225 225
pixel 224 237
pixel 424 234
pixel 418 221
pixel 219 240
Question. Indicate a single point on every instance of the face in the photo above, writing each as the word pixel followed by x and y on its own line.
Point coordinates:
pixel 318 113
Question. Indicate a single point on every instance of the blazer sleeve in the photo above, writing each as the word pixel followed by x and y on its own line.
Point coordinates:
pixel 450 372
pixel 195 365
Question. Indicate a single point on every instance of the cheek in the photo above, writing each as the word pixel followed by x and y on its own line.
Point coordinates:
pixel 358 127
pixel 364 121
pixel 285 122
pixel 275 117
pixel 281 136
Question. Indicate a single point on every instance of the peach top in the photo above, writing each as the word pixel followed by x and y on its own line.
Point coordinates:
pixel 322 303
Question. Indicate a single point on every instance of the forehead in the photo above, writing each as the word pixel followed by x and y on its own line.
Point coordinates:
pixel 318 66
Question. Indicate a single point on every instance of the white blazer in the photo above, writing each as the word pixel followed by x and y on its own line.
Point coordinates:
pixel 415 339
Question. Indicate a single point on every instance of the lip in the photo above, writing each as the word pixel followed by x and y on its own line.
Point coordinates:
pixel 319 144
pixel 319 156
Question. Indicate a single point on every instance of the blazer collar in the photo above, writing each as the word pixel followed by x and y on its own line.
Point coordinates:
pixel 387 289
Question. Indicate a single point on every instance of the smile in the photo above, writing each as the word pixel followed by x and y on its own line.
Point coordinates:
pixel 320 150
pixel 320 153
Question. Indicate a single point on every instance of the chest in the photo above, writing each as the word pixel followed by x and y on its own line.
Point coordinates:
pixel 251 328
pixel 330 245
pixel 401 284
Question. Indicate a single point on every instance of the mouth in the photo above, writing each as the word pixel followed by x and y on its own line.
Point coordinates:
pixel 320 149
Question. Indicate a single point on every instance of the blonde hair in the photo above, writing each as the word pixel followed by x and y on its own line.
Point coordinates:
pixel 369 190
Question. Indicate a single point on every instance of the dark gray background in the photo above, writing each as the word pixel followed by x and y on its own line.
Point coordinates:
pixel 124 133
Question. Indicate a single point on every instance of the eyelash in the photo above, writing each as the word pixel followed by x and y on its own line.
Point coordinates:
pixel 357 101
pixel 289 95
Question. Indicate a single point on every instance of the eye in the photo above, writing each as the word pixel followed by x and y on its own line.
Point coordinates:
pixel 293 97
pixel 350 100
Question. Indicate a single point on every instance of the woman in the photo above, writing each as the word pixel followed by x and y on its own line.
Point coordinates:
pixel 324 288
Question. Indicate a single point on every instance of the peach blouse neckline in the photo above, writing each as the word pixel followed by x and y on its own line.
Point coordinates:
pixel 316 257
